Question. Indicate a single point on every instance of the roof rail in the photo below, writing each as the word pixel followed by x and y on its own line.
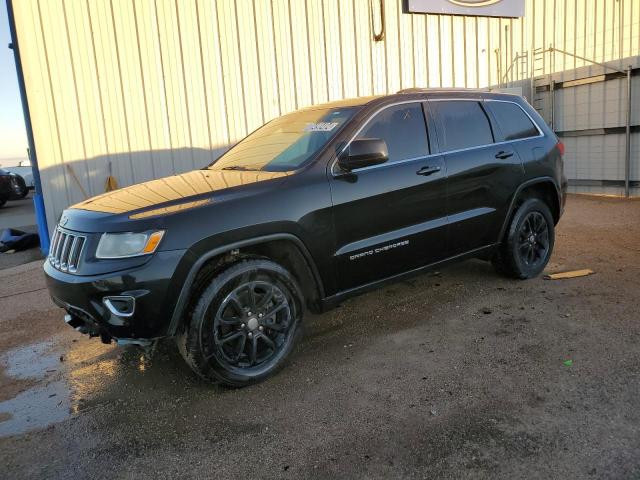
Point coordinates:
pixel 441 89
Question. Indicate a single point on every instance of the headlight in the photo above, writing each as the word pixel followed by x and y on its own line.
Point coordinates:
pixel 121 245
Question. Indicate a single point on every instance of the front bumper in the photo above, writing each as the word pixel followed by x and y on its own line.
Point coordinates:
pixel 154 286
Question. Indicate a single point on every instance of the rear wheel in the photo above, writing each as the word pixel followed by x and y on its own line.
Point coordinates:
pixel 244 324
pixel 528 243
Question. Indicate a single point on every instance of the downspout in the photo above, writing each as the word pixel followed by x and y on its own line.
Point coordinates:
pixel 627 149
pixel 38 201
pixel 552 94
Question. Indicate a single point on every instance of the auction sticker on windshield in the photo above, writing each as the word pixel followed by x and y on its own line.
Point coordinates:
pixel 320 127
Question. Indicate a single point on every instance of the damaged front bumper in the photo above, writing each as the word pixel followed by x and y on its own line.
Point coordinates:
pixel 131 306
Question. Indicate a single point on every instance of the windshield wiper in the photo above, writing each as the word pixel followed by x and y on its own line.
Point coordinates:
pixel 237 167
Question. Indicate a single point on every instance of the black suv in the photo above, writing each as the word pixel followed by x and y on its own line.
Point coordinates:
pixel 313 207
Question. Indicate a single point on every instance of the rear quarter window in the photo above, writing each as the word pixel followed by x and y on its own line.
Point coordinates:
pixel 512 120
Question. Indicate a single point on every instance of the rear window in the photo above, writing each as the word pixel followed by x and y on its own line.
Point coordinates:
pixel 464 124
pixel 512 120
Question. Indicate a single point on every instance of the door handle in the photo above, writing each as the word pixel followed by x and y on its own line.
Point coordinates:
pixel 425 171
pixel 502 154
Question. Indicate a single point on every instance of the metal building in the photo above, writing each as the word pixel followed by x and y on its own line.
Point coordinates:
pixel 140 89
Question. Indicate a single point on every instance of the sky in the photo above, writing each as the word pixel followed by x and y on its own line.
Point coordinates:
pixel 13 139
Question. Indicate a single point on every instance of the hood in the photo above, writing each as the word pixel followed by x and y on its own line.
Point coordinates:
pixel 172 190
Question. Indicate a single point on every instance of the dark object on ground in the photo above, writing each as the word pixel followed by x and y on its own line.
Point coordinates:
pixel 17 240
pixel 312 208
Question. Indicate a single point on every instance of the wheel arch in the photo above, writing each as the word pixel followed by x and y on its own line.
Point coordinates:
pixel 284 248
pixel 544 188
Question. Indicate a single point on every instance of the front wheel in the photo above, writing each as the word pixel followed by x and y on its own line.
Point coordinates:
pixel 528 243
pixel 245 324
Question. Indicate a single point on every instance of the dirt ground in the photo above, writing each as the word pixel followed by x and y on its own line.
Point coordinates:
pixel 459 374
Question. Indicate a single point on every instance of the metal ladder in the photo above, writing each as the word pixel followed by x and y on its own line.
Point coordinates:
pixel 518 70
pixel 541 82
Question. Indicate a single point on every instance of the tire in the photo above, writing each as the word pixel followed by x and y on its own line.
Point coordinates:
pixel 19 187
pixel 2 202
pixel 528 242
pixel 244 324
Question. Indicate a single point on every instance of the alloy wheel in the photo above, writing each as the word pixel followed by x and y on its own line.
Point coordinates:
pixel 533 239
pixel 251 325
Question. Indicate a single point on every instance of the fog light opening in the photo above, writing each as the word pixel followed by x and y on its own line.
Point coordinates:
pixel 120 305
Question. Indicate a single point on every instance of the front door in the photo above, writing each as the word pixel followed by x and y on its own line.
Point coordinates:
pixel 390 218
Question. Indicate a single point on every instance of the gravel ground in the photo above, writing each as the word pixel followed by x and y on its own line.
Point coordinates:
pixel 461 374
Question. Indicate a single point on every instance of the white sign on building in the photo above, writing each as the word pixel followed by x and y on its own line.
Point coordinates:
pixel 485 8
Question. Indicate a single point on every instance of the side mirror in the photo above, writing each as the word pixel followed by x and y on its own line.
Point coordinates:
pixel 364 152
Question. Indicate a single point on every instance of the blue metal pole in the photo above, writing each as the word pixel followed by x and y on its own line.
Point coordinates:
pixel 38 201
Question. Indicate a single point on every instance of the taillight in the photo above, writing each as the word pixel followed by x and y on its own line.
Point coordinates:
pixel 560 146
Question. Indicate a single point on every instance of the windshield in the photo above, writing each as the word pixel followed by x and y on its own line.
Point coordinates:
pixel 287 142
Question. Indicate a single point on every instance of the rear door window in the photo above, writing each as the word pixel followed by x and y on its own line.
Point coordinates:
pixel 512 120
pixel 403 129
pixel 464 124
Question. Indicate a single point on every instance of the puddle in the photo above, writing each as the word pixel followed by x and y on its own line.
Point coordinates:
pixel 61 385
pixel 45 403
pixel 32 362
pixel 91 374
pixel 34 408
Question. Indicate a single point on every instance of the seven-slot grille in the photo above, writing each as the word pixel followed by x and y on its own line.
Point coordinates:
pixel 65 250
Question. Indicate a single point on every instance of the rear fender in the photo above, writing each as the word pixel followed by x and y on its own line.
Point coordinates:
pixel 514 199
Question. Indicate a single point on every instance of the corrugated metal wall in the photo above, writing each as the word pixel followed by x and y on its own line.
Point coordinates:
pixel 589 115
pixel 142 89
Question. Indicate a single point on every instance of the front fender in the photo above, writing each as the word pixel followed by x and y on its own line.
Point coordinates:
pixel 200 253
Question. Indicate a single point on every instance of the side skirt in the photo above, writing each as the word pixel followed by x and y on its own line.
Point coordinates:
pixel 334 300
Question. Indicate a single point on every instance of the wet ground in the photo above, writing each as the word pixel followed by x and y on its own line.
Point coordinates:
pixel 461 374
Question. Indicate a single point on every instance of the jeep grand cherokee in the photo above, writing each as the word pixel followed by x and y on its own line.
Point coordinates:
pixel 311 208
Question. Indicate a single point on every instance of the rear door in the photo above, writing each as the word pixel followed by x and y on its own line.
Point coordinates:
pixel 390 218
pixel 482 171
